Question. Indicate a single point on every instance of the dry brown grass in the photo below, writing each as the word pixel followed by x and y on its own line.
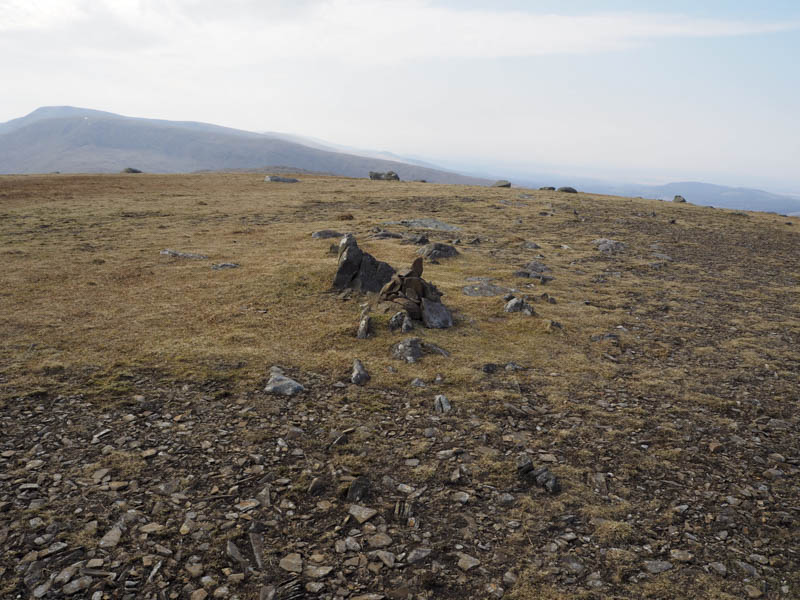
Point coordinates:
pixel 89 306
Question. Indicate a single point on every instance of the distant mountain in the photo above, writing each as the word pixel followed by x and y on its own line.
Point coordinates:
pixel 72 139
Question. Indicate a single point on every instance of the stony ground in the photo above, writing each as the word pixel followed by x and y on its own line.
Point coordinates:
pixel 141 458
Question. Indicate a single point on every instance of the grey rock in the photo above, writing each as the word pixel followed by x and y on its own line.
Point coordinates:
pixel 111 538
pixel 359 489
pixel 409 350
pixel 359 270
pixel 547 188
pixel 363 328
pixel 418 239
pixel 506 499
pixel 573 565
pixel 77 585
pixel 679 199
pixel 719 568
pixel 316 571
pixel 359 376
pixel 379 540
pixel 502 183
pixel 417 382
pixel 531 246
pixel 221 266
pixel 657 566
pixel 484 289
pixel 233 552
pixel 362 514
pixel 442 405
pixel 279 179
pixel 325 234
pixel 436 315
pixel 283 386
pixel 388 176
pixel 536 267
pixel 438 250
pixel 396 321
pixel 292 563
pixel 467 562
pixel 418 554
pixel 609 246
pixel 567 189
pixel 185 255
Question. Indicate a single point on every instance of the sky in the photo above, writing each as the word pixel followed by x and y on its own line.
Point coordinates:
pixel 637 91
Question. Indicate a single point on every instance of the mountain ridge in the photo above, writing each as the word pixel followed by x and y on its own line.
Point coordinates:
pixel 70 139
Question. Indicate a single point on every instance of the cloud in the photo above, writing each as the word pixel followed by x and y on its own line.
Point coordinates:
pixel 376 32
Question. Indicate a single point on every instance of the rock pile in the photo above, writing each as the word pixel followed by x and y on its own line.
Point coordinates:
pixel 419 298
pixel 359 270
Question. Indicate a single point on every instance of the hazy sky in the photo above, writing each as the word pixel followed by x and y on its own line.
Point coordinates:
pixel 647 91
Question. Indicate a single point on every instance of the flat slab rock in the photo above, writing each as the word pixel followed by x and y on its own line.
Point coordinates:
pixel 484 289
pixel 279 179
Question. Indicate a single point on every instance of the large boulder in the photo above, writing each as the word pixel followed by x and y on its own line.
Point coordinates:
pixel 279 179
pixel 359 270
pixel 679 199
pixel 568 190
pixel 502 183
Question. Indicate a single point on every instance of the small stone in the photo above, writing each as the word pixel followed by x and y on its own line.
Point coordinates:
pixel 494 591
pixel 200 594
pixel 110 539
pixel 363 328
pixel 387 558
pixel 151 528
pixel 719 568
pixel 461 497
pixel 418 554
pixel 359 488
pixel 292 563
pixel 657 566
pixel 77 585
pixel 194 569
pixel 681 555
pixel 442 405
pixel 467 562
pixel 362 514
pixel 359 376
pixel 221 592
pixel 246 505
pixel 752 591
pixel 379 540
pixel 316 572
pixel 282 385
pixel 95 563
pixel 506 499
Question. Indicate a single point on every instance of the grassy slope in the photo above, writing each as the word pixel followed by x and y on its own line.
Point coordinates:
pixel 707 345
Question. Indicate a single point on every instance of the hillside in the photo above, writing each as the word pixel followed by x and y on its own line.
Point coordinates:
pixel 656 378
pixel 74 140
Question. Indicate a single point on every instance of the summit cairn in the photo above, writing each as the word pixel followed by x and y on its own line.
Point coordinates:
pixel 419 298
